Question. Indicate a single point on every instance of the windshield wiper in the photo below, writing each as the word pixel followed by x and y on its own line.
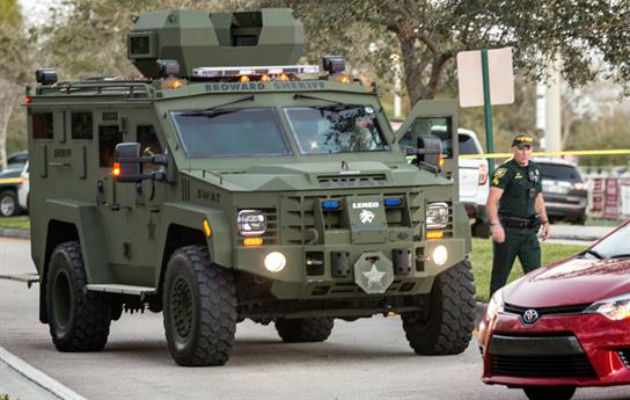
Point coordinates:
pixel 593 253
pixel 309 97
pixel 241 100
pixel 620 256
pixel 209 111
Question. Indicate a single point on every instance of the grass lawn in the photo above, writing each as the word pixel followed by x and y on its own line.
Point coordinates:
pixel 481 256
pixel 21 222
pixel 481 259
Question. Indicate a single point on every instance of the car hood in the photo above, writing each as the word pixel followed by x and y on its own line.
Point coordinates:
pixel 570 282
pixel 322 175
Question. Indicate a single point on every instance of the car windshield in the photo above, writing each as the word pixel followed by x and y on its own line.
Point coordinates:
pixel 230 133
pixel 616 245
pixel 559 172
pixel 338 129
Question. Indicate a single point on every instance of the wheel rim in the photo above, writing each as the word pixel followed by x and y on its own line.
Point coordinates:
pixel 181 309
pixel 62 301
pixel 7 205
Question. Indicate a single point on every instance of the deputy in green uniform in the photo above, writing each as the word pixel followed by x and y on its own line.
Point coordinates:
pixel 516 210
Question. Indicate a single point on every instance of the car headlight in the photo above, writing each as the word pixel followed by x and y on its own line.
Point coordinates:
pixel 437 215
pixel 251 223
pixel 495 305
pixel 614 308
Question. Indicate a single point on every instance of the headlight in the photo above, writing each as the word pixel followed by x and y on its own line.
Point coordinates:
pixel 251 223
pixel 437 215
pixel 440 255
pixel 614 308
pixel 495 305
pixel 275 261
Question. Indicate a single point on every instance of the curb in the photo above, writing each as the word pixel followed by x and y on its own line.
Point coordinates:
pixel 15 233
pixel 38 377
pixel 574 237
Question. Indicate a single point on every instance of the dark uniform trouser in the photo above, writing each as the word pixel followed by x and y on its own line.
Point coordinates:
pixel 521 242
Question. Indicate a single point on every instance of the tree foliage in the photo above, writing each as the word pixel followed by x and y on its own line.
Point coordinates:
pixel 429 33
pixel 14 54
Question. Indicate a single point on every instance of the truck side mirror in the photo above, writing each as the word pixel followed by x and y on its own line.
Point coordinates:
pixel 430 151
pixel 128 163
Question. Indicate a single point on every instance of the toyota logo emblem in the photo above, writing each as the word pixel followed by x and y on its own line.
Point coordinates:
pixel 530 316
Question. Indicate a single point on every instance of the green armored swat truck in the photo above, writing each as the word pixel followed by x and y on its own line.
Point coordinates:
pixel 230 183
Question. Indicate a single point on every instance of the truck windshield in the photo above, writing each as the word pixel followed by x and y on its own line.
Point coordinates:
pixel 335 129
pixel 230 133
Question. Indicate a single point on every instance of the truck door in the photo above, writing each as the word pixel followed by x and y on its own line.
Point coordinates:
pixel 147 197
pixel 436 118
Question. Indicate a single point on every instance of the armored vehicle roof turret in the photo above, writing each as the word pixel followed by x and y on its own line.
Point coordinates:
pixel 195 38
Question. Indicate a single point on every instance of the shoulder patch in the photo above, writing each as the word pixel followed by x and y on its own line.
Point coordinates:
pixel 500 172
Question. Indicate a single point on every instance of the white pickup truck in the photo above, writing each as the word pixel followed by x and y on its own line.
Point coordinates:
pixel 473 182
pixel 473 178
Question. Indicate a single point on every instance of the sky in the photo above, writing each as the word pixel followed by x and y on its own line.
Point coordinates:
pixel 36 10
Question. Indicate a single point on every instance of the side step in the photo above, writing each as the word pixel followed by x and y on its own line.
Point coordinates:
pixel 130 290
pixel 29 278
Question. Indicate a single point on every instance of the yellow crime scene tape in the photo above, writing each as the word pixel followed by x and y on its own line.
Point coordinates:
pixel 11 180
pixel 550 153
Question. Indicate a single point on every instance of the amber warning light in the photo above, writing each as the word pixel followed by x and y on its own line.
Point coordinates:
pixel 116 169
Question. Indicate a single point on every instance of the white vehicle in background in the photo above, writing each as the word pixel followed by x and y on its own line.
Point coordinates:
pixel 14 186
pixel 473 181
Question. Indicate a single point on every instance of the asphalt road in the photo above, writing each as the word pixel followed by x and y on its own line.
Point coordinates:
pixel 366 359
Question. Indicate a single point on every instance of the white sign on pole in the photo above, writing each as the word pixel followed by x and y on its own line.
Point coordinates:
pixel 470 77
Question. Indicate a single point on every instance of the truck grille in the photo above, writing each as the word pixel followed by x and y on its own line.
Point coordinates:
pixel 299 223
pixel 271 233
pixel 542 366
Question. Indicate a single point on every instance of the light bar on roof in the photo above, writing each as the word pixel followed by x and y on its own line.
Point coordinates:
pixel 221 72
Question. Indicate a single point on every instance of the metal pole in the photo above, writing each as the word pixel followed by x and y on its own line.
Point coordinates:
pixel 487 110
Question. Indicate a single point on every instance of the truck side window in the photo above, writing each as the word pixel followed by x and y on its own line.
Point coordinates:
pixel 435 126
pixel 149 145
pixel 81 125
pixel 108 137
pixel 42 125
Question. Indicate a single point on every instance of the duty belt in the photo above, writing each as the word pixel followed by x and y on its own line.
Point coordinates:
pixel 522 223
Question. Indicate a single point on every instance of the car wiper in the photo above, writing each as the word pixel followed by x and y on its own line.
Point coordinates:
pixel 621 256
pixel 210 112
pixel 593 253
pixel 298 96
pixel 241 100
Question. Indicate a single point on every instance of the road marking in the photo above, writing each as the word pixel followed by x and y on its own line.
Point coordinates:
pixel 38 377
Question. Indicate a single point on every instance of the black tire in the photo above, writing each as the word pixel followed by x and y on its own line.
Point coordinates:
pixel 549 392
pixel 304 330
pixel 79 320
pixel 445 326
pixel 199 308
pixel 9 204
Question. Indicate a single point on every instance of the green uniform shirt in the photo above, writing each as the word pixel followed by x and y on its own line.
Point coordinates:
pixel 520 187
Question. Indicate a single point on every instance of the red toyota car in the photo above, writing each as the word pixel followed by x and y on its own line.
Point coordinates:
pixel 563 326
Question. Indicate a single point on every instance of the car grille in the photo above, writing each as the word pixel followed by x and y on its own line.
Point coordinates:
pixel 542 366
pixel 625 356
pixel 572 309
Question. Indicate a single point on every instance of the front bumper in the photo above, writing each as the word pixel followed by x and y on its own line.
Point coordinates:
pixel 298 281
pixel 557 350
pixel 566 210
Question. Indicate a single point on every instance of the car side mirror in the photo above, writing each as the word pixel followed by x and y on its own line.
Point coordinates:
pixel 128 163
pixel 429 150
